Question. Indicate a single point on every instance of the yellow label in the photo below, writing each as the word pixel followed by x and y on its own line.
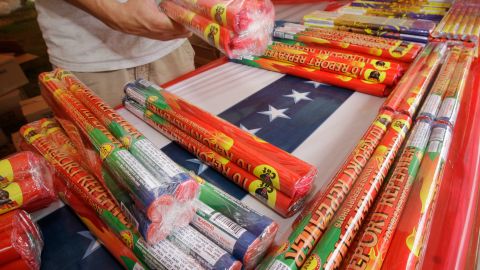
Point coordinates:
pixel 152 99
pixel 11 197
pixel 374 75
pixel 381 65
pixel 222 140
pixel 127 238
pixel 219 14
pixel 313 263
pixel 105 150
pixel 50 126
pixel 400 49
pixel 6 172
pixel 268 175
pixel 212 34
pixel 31 135
pixel 344 78
pixel 375 51
pixel 263 192
pixel 399 125
pixel 127 141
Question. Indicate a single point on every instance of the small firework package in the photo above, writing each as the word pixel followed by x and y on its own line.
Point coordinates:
pixel 31 188
pixel 235 27
pixel 21 242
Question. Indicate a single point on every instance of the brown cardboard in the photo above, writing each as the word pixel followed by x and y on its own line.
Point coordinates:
pixel 16 140
pixel 11 75
pixel 35 108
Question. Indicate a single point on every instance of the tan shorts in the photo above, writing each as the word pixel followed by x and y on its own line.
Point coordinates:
pixel 109 84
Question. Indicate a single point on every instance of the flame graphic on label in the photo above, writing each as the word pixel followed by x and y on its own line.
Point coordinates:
pixel 410 241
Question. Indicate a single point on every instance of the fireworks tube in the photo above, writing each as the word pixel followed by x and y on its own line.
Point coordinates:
pixel 159 164
pixel 313 221
pixel 272 165
pixel 380 47
pixel 405 26
pixel 20 243
pixel 370 249
pixel 443 82
pixel 380 64
pixel 451 103
pixel 264 192
pixel 206 252
pixel 150 194
pixel 413 228
pixel 413 98
pixel 229 235
pixel 358 70
pixel 98 228
pixel 361 86
pixel 220 201
pixel 333 246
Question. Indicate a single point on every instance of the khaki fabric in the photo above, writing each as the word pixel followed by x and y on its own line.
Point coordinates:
pixel 109 84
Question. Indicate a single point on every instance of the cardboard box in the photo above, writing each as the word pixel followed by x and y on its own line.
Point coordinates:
pixel 3 138
pixel 11 117
pixel 16 140
pixel 35 108
pixel 11 74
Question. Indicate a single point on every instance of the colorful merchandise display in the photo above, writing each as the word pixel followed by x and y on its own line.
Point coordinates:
pixel 237 27
pixel 21 242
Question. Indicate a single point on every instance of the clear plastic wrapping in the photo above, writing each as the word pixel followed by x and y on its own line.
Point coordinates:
pixel 21 242
pixel 236 27
pixel 25 183
pixel 158 201
pixel 288 178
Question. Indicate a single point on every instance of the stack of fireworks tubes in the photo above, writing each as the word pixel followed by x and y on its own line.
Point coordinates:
pixel 235 27
pixel 396 28
pixel 462 23
pixel 367 64
pixel 283 179
pixel 20 242
pixel 324 233
pixel 118 208
pixel 427 10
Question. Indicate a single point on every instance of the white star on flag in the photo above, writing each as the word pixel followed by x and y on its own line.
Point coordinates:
pixel 251 131
pixel 298 96
pixel 316 84
pixel 94 244
pixel 274 113
pixel 201 166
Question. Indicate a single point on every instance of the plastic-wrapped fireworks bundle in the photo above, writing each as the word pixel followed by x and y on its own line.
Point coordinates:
pixel 267 194
pixel 153 196
pixel 21 242
pixel 405 26
pixel 338 237
pixel 332 64
pixel 271 165
pixel 376 89
pixel 370 248
pixel 313 221
pixel 162 255
pixel 379 47
pixel 25 183
pixel 236 27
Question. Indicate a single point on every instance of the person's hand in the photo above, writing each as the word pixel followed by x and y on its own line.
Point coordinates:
pixel 136 17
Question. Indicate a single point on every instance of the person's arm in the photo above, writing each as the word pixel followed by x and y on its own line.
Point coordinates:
pixel 136 17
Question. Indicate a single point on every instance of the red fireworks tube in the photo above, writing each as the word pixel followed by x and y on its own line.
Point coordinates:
pixel 19 166
pixel 20 243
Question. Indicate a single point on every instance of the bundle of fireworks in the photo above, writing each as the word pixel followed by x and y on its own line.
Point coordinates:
pixel 223 238
pixel 370 24
pixel 235 27
pixel 314 219
pixel 461 23
pixel 311 57
pixel 272 175
pixel 433 11
pixel 408 244
pixel 21 242
pixel 25 183
pixel 411 89
pixel 384 48
pixel 162 194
